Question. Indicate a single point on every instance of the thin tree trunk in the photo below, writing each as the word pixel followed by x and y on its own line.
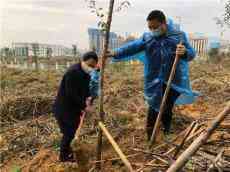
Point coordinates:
pixel 184 139
pixel 103 59
pixel 191 150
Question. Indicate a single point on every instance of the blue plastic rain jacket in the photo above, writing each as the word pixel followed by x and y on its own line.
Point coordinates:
pixel 158 54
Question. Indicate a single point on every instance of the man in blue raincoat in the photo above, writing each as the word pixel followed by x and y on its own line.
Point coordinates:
pixel 157 50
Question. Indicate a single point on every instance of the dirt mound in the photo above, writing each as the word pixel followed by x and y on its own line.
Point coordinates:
pixel 46 160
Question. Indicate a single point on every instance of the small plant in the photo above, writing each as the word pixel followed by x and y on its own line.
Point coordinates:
pixel 190 165
pixel 16 169
pixel 56 144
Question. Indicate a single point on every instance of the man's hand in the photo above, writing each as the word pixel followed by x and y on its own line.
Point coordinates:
pixel 180 50
pixel 88 103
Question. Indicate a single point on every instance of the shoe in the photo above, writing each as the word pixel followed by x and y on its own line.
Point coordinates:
pixel 66 156
pixel 168 134
pixel 149 131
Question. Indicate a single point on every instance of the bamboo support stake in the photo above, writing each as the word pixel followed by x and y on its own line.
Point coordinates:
pixel 116 147
pixel 159 116
pixel 184 139
pixel 191 150
pixel 195 128
pixel 156 156
pixel 101 98
pixel 80 126
pixel 118 158
pixel 187 140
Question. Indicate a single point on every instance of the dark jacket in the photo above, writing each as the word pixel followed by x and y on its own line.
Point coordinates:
pixel 72 93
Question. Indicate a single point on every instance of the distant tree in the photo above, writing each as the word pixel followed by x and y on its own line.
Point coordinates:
pixel 224 21
pixel 75 53
pixel 221 23
pixel 27 52
pixel 6 51
pixel 11 52
pixel 49 52
pixel 227 13
pixel 35 49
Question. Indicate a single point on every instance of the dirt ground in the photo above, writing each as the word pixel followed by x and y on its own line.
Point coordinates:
pixel 29 136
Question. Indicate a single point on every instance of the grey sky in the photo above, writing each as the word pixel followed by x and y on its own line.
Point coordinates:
pixel 66 21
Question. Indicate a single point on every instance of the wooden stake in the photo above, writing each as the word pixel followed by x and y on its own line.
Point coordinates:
pixel 118 158
pixel 195 128
pixel 184 139
pixel 157 124
pixel 156 156
pixel 187 140
pixel 116 147
pixel 103 59
pixel 80 126
pixel 191 150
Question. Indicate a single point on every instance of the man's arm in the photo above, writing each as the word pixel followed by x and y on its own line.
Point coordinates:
pixel 94 84
pixel 129 49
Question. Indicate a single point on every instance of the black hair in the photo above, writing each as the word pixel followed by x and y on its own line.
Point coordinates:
pixel 158 15
pixel 90 55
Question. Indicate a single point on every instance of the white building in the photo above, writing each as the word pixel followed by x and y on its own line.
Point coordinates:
pixel 27 49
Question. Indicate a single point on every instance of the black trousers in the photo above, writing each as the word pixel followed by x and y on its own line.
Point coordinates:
pixel 68 129
pixel 166 116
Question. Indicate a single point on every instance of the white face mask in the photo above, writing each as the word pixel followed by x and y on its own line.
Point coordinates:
pixel 86 68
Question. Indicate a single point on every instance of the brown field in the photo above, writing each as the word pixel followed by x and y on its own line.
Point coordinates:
pixel 29 136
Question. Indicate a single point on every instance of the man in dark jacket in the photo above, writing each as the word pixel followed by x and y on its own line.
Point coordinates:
pixel 72 99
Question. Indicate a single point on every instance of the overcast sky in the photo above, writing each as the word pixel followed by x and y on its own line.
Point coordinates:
pixel 66 21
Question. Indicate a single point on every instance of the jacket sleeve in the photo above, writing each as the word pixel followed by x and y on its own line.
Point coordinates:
pixel 73 89
pixel 190 52
pixel 94 84
pixel 130 48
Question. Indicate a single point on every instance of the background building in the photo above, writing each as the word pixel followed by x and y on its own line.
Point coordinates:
pixel 96 40
pixel 27 49
pixel 200 43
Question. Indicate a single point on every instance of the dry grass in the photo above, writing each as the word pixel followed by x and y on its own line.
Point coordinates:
pixel 30 136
